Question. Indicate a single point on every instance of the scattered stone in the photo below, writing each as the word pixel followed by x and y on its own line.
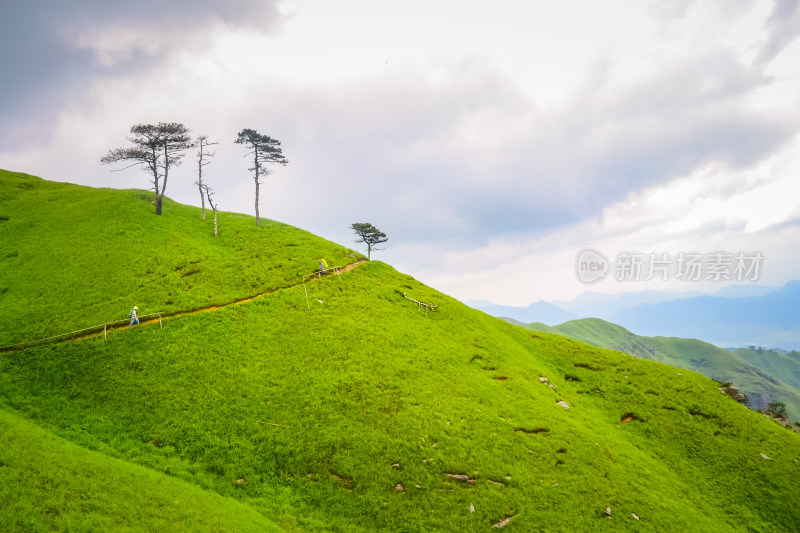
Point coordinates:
pixel 423 439
pixel 434 445
pixel 320 301
pixel 635 516
pixel 508 478
pixel 241 481
pixel 396 466
pixel 608 511
pixel 418 486
pixel 471 508
pixel 563 404
pixel 399 487
pixel 502 523
pixel 679 373
pixel 764 456
pixel 424 460
pixel 543 379
pixel 734 393
pixel 347 482
pixel 495 483
pixel 551 386
pixel 461 477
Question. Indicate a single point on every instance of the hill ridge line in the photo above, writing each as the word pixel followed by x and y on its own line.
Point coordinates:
pixel 161 316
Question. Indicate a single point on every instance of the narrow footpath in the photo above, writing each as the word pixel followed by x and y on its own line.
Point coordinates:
pixel 158 318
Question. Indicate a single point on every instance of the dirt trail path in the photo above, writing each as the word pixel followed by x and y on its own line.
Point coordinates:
pixel 160 318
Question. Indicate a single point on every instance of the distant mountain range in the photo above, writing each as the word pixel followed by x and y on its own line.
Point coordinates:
pixel 771 320
pixel 764 376
pixel 737 316
pixel 540 311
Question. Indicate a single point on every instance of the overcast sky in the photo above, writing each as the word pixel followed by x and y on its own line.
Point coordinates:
pixel 491 141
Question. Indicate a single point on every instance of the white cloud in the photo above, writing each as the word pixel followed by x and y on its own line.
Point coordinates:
pixel 490 142
pixel 713 208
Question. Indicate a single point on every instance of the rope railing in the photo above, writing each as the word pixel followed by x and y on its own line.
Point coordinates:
pixel 428 307
pixel 105 327
pixel 320 273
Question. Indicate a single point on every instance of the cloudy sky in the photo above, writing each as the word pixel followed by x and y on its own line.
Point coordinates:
pixel 492 141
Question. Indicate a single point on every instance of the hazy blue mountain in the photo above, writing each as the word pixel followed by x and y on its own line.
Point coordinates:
pixel 605 306
pixel 540 311
pixel 745 291
pixel 770 320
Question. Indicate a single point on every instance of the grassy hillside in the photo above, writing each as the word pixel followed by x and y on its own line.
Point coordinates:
pixel 364 413
pixel 73 257
pixel 757 377
pixel 782 364
pixel 50 484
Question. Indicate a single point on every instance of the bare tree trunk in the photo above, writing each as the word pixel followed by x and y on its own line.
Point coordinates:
pixel 158 197
pixel 202 198
pixel 215 222
pixel 200 180
pixel 258 218
pixel 369 251
pixel 160 194
pixel 154 167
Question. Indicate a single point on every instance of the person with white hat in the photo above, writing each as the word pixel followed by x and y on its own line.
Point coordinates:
pixel 133 316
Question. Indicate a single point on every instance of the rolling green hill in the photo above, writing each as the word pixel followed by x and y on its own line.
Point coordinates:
pixel 73 257
pixel 785 365
pixel 48 483
pixel 756 375
pixel 352 410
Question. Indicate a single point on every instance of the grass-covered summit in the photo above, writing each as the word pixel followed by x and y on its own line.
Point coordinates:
pixel 73 257
pixel 362 413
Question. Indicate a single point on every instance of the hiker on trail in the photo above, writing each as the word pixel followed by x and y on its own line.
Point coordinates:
pixel 133 316
pixel 323 265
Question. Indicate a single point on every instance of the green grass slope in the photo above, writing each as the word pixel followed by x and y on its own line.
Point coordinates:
pixel 757 376
pixel 50 484
pixel 784 366
pixel 74 257
pixel 356 414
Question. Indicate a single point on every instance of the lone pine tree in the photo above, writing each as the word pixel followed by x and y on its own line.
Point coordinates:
pixel 369 234
pixel 156 148
pixel 265 150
